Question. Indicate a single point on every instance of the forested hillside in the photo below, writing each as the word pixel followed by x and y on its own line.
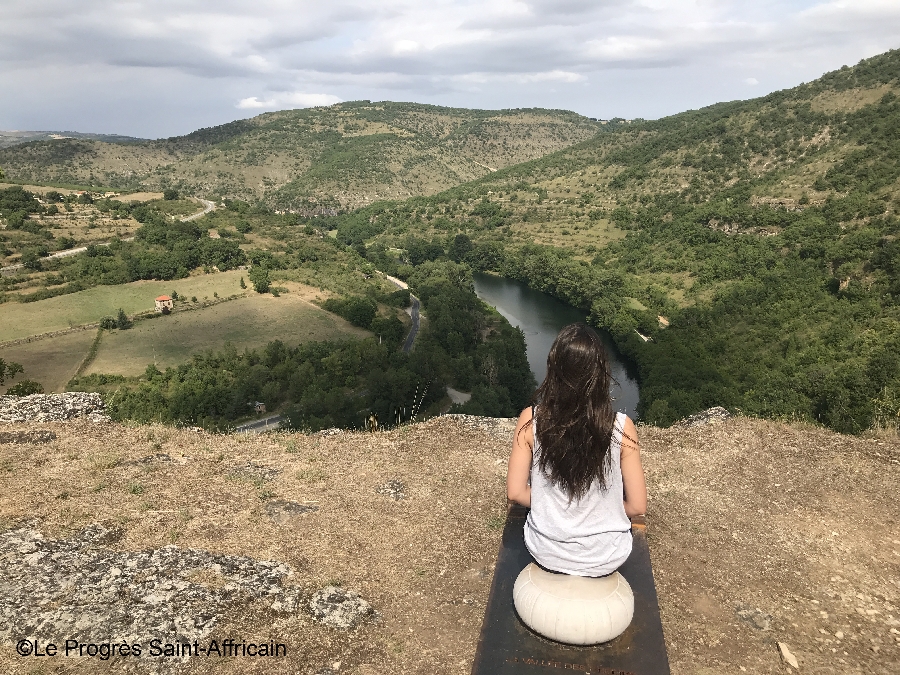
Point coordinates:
pixel 744 255
pixel 313 160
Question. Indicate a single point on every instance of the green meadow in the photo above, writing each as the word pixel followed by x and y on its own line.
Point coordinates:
pixel 19 320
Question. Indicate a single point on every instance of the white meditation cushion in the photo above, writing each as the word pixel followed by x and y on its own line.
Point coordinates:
pixel 574 610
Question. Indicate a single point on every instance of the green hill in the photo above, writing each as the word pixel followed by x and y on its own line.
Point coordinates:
pixel 764 231
pixel 312 160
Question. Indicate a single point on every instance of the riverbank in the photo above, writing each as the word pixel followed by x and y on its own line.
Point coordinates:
pixel 541 316
pixel 760 533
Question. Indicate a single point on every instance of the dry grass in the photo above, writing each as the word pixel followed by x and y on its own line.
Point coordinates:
pixel 140 197
pixel 797 522
pixel 415 560
pixel 849 100
pixel 793 520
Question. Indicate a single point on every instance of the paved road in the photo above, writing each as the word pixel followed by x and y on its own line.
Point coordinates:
pixel 207 207
pixel 414 314
pixel 270 423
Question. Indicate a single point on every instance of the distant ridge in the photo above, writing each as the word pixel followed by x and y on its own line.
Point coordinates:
pixel 341 156
pixel 10 138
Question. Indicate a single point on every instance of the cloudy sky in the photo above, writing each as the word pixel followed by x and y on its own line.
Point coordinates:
pixel 167 67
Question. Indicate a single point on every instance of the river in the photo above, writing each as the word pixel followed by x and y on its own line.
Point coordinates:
pixel 541 317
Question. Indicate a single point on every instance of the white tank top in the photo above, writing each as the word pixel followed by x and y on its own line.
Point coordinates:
pixel 587 537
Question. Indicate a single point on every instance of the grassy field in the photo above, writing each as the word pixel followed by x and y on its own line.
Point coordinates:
pixel 75 309
pixel 51 361
pixel 250 321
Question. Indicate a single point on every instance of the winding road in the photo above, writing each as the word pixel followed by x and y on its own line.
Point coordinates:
pixel 208 207
pixel 413 312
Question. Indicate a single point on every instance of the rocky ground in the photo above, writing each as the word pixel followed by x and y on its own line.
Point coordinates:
pixel 52 407
pixel 372 553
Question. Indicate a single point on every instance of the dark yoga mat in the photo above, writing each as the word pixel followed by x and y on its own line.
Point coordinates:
pixel 507 647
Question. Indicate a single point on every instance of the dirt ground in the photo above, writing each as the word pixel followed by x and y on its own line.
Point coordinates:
pixel 760 533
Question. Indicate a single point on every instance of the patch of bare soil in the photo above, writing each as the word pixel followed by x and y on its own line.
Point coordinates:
pixel 760 533
pixel 764 533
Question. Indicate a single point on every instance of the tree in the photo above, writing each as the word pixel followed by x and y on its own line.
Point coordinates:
pixel 16 220
pixel 9 370
pixel 259 277
pixel 243 283
pixel 31 260
pixel 169 194
pixel 122 321
pixel 360 311
pixel 460 248
pixel 389 328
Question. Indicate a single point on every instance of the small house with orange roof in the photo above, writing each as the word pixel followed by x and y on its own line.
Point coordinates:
pixel 164 304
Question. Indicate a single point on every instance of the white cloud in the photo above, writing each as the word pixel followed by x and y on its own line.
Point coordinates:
pixel 253 102
pixel 406 46
pixel 521 78
pixel 551 76
pixel 296 99
pixel 184 63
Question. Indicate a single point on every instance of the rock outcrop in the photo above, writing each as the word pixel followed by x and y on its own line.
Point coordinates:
pixel 52 407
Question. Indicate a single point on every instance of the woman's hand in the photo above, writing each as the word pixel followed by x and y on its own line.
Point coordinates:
pixel 519 470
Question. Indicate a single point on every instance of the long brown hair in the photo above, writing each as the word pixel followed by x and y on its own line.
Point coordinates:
pixel 574 413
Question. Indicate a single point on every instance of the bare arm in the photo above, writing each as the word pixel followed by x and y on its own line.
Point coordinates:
pixel 517 487
pixel 632 472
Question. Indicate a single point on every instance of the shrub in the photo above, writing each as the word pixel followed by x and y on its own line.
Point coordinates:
pixel 26 388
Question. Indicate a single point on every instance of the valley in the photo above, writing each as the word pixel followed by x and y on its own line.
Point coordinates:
pixel 742 255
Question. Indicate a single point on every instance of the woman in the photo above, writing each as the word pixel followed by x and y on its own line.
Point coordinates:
pixel 583 462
